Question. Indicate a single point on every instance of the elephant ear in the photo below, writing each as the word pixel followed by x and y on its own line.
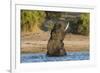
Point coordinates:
pixel 67 26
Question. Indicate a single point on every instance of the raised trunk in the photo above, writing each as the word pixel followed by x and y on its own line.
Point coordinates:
pixel 55 46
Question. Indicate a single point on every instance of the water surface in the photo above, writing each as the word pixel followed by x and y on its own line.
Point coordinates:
pixel 41 57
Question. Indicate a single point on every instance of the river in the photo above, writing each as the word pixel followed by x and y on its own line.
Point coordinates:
pixel 41 57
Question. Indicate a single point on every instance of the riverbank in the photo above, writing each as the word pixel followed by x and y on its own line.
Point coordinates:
pixel 37 42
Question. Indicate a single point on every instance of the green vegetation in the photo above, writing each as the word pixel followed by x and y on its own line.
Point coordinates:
pixel 85 23
pixel 31 20
pixel 35 21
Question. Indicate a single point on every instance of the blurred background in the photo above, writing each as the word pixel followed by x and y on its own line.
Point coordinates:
pixel 34 21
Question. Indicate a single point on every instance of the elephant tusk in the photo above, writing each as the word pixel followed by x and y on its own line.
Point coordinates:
pixel 67 26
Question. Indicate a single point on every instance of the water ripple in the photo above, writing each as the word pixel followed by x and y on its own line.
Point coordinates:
pixel 41 57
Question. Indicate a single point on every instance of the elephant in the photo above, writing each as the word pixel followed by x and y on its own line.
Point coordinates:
pixel 55 46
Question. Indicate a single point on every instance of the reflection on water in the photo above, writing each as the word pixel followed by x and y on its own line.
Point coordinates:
pixel 41 57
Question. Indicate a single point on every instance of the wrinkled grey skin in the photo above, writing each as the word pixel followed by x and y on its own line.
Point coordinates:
pixel 55 46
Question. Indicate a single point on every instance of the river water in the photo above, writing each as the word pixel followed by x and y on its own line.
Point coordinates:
pixel 41 57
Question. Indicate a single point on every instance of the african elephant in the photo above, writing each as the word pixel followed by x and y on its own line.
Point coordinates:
pixel 55 46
